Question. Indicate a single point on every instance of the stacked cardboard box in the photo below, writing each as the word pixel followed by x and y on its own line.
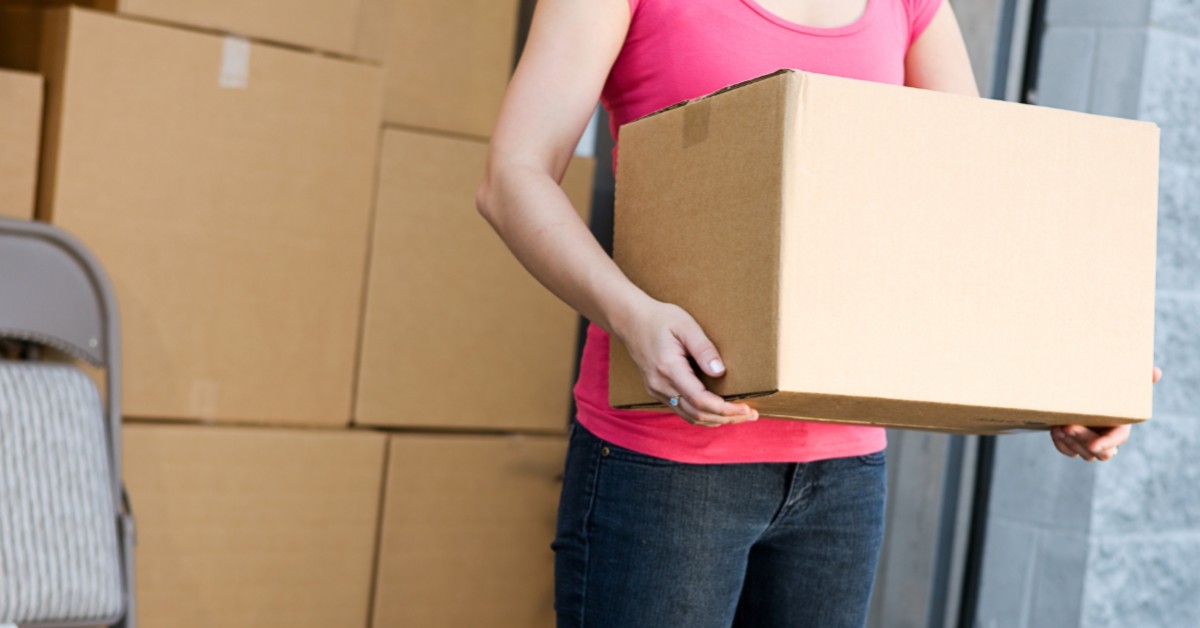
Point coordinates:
pixel 253 527
pixel 222 160
pixel 466 531
pixel 447 63
pixel 457 336
pixel 20 132
pixel 226 187
pixel 453 322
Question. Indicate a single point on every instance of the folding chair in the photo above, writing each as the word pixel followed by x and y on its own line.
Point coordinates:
pixel 66 531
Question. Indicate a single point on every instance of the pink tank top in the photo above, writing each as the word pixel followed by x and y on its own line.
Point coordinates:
pixel 681 49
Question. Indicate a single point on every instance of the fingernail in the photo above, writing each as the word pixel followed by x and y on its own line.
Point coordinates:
pixel 716 366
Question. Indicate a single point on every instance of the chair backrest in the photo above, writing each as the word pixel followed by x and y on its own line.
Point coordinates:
pixel 53 292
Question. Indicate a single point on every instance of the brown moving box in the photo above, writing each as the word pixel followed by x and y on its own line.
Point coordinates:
pixel 226 188
pixel 456 332
pixel 875 254
pixel 467 525
pixel 330 25
pixel 447 63
pixel 253 527
pixel 20 134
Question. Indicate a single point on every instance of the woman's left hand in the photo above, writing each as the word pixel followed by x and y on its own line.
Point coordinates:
pixel 1093 444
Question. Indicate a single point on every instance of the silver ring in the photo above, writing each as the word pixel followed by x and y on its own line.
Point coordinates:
pixel 675 401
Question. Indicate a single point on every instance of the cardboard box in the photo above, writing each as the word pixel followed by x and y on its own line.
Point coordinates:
pixel 253 527
pixel 329 25
pixel 447 63
pixel 456 333
pixel 867 253
pixel 467 526
pixel 226 188
pixel 20 134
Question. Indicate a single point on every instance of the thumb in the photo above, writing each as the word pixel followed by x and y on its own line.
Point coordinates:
pixel 701 349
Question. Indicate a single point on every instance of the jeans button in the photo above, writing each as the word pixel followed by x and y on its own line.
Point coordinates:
pixel 604 451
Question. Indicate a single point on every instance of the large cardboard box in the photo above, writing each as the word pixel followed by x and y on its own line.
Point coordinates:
pixel 226 188
pixel 456 333
pixel 467 526
pixel 330 25
pixel 253 527
pixel 875 254
pixel 20 134
pixel 447 63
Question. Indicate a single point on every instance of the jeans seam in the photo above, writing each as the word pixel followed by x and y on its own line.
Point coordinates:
pixel 594 481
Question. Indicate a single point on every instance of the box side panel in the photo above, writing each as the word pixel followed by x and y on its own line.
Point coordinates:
pixel 971 252
pixel 232 219
pixel 468 522
pixel 448 63
pixel 318 24
pixel 697 225
pixel 20 134
pixel 253 527
pixel 451 314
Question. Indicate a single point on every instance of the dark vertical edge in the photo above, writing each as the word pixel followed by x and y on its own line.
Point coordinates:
pixel 947 520
pixel 380 519
pixel 524 19
pixel 978 532
pixel 1004 43
pixel 1033 51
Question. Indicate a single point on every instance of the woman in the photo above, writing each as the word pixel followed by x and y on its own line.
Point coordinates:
pixel 717 519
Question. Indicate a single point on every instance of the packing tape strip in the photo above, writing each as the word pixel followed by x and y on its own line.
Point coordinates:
pixel 695 122
pixel 235 63
pixel 205 399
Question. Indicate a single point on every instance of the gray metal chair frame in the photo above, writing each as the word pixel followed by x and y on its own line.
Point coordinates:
pixel 53 292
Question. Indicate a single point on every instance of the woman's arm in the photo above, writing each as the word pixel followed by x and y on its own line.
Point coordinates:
pixel 571 48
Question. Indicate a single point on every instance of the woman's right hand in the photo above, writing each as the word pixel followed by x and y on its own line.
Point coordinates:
pixel 661 337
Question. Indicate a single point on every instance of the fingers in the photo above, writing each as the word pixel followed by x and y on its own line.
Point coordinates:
pixel 663 355
pixel 1057 437
pixel 694 415
pixel 674 376
pixel 1094 444
pixel 1111 439
pixel 1069 443
pixel 696 404
pixel 706 413
pixel 1090 444
pixel 701 349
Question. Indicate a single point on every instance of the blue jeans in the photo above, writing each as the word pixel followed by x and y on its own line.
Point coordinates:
pixel 645 542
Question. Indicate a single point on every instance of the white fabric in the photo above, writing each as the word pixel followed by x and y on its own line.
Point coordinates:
pixel 59 557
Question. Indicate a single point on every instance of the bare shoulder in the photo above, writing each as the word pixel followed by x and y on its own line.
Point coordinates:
pixel 938 59
pixel 571 48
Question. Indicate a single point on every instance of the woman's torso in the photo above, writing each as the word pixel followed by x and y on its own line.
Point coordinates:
pixel 676 50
